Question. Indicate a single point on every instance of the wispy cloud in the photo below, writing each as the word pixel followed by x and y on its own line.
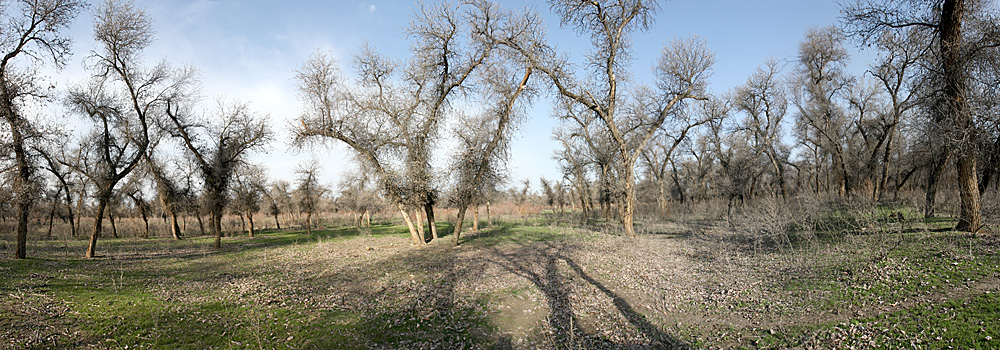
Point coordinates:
pixel 370 7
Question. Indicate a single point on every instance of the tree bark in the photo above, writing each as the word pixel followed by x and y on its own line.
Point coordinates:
pixel 475 218
pixel 276 222
pixel 970 219
pixel 937 168
pixel 174 229
pixel 429 210
pixel 250 219
pixel 489 216
pixel 114 228
pixel 955 76
pixel 102 204
pixel 458 226
pixel 417 239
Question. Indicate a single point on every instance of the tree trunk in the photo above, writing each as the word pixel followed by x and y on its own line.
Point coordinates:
pixel 102 204
pixel 52 212
pixel 145 221
pixel 417 240
pixel 23 194
pixel 174 229
pixel 458 225
pixel 489 216
pixel 309 222
pixel 954 66
pixel 627 210
pixel 243 223
pixel 201 224
pixel 475 218
pixel 216 223
pixel 429 210
pixel 111 218
pixel 250 219
pixel 72 219
pixel 937 168
pixel 276 222
pixel 419 219
pixel 970 219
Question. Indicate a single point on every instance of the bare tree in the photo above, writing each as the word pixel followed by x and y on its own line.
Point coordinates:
pixel 964 32
pixel 218 148
pixel 681 74
pixel 32 31
pixel 822 123
pixel 392 116
pixel 121 100
pixel 309 191
pixel 764 101
pixel 248 192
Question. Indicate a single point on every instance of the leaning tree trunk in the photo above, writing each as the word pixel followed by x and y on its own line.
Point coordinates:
pixel 417 238
pixel 309 225
pixel 175 230
pixel 102 204
pixel 276 222
pixel 429 210
pixel 458 225
pixel 114 228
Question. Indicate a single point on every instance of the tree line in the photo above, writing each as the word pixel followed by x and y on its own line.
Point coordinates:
pixel 803 125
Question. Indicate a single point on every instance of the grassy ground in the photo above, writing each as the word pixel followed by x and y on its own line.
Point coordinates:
pixel 524 284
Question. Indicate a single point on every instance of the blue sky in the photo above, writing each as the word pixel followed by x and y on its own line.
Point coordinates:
pixel 248 50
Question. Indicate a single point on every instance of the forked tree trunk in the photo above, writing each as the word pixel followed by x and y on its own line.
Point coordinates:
pixel 417 240
pixel 174 229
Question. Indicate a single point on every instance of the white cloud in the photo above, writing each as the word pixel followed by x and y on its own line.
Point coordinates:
pixel 371 8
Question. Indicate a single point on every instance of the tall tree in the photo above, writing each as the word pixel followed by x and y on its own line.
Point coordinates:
pixel 309 191
pixel 764 101
pixel 219 147
pixel 964 32
pixel 121 100
pixel 681 74
pixel 822 124
pixel 31 32
pixel 392 115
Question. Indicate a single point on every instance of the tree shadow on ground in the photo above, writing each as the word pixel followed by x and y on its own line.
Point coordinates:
pixel 540 264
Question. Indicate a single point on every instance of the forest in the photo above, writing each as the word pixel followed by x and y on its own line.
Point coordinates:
pixel 810 207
